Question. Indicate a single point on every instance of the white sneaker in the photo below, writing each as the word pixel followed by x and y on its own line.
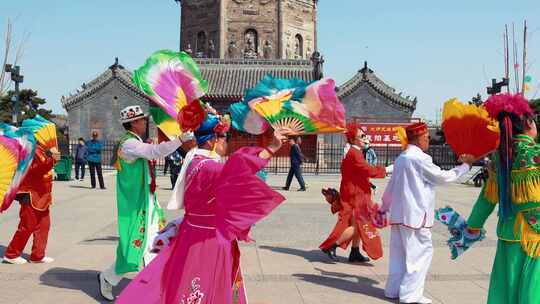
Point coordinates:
pixel 45 260
pixel 15 261
pixel 423 300
pixel 105 288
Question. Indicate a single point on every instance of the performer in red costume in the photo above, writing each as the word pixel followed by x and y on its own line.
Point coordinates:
pixel 35 199
pixel 355 218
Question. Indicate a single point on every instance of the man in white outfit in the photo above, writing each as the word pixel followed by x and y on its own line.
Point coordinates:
pixel 410 199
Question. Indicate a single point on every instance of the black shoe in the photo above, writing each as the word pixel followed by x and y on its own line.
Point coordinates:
pixel 356 257
pixel 302 189
pixel 331 252
pixel 285 188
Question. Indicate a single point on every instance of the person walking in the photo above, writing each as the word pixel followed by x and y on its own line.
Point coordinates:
pixel 409 198
pixel 81 152
pixel 95 147
pixel 140 216
pixel 175 163
pixel 35 198
pixel 512 190
pixel 297 158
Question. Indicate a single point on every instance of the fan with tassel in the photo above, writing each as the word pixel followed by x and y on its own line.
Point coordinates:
pixel 468 129
pixel 173 81
pixel 17 147
pixel 302 108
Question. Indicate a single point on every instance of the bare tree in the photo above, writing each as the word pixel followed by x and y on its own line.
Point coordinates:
pixel 5 82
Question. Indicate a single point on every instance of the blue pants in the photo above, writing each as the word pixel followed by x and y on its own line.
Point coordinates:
pixel 295 170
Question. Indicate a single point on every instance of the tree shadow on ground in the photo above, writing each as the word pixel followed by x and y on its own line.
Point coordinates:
pixel 346 282
pixel 76 279
pixel 315 255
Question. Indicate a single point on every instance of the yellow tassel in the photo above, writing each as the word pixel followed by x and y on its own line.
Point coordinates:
pixel 526 191
pixel 402 135
pixel 491 191
pixel 530 240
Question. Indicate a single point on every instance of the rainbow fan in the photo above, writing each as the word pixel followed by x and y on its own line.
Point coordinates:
pixel 468 129
pixel 168 128
pixel 44 131
pixel 172 80
pixel 292 104
pixel 17 148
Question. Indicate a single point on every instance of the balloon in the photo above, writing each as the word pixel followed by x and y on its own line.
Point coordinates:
pixel 528 78
pixel 526 88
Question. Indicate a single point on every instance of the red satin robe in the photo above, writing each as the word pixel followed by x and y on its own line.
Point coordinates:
pixel 355 192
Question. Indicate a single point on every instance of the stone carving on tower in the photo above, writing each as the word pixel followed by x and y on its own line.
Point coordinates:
pixel 211 49
pixel 250 29
pixel 268 51
pixel 233 50
pixel 251 45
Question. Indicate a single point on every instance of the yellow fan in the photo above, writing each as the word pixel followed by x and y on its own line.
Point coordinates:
pixel 44 132
pixel 8 163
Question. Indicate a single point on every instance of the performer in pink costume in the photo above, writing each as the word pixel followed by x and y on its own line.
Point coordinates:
pixel 201 265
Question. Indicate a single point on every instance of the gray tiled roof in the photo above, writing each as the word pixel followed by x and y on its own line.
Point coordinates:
pixel 228 78
pixel 115 71
pixel 367 76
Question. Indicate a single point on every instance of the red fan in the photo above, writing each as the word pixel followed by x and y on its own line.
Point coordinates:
pixel 468 129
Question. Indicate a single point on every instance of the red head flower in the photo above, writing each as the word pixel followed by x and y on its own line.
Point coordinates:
pixel 191 116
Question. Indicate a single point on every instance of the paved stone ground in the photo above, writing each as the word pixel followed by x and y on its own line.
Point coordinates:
pixel 284 266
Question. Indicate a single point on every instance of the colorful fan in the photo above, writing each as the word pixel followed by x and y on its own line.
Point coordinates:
pixel 168 127
pixel 468 129
pixel 17 148
pixel 172 80
pixel 290 103
pixel 461 239
pixel 44 131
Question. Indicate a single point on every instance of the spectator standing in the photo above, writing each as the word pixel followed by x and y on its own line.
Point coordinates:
pixel 370 157
pixel 369 152
pixel 297 158
pixel 81 152
pixel 95 147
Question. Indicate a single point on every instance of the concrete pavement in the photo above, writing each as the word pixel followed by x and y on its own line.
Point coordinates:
pixel 283 266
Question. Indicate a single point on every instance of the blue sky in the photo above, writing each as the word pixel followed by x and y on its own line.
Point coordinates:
pixel 430 49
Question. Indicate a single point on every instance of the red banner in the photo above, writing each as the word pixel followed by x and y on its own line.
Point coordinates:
pixel 382 134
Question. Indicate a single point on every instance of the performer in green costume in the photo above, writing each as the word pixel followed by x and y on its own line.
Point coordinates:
pixel 514 183
pixel 139 213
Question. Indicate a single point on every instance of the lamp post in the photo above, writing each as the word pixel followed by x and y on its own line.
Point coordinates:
pixel 497 86
pixel 17 78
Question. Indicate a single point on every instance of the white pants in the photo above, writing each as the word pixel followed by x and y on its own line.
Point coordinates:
pixel 411 251
pixel 151 232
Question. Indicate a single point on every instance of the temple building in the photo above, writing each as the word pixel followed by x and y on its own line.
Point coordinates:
pixel 236 43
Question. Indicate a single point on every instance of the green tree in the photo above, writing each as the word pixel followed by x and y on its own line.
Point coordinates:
pixel 29 105
pixel 477 100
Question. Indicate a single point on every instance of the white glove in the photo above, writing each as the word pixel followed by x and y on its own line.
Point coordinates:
pixel 166 235
pixel 389 169
pixel 187 136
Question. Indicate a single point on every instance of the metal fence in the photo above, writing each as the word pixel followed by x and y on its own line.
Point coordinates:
pixel 323 158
